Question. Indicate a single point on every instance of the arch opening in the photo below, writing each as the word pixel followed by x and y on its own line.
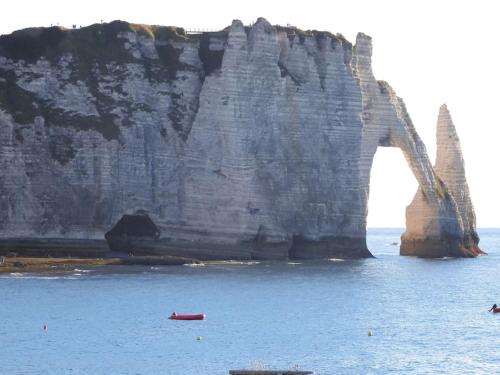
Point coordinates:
pixel 392 188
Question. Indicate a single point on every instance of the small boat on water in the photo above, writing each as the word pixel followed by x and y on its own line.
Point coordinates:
pixel 496 310
pixel 175 316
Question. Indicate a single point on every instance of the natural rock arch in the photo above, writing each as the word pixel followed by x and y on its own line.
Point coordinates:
pixel 434 223
pixel 250 142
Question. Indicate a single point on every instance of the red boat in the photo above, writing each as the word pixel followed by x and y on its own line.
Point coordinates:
pixel 175 316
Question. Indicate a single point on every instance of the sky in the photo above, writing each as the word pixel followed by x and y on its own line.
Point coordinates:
pixel 430 51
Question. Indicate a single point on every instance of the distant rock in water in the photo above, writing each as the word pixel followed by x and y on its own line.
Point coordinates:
pixel 247 143
pixel 430 232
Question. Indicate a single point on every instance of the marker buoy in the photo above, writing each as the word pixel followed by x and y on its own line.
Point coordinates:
pixel 45 327
pixel 370 333
pixel 199 338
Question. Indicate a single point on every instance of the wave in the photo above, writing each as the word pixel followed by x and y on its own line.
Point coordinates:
pixel 19 275
pixel 224 263
pixel 241 262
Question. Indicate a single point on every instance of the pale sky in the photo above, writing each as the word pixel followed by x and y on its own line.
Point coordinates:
pixel 431 52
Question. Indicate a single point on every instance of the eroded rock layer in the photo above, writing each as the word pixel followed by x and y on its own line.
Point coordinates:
pixel 251 142
pixel 429 233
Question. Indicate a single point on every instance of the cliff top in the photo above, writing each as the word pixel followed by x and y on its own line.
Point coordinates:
pixel 32 43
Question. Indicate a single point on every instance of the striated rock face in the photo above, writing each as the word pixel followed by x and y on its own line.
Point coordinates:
pixel 251 142
pixel 450 230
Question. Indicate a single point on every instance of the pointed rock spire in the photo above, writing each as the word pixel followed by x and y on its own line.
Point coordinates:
pixel 450 169
pixel 449 228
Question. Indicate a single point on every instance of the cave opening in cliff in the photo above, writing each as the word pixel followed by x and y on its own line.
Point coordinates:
pixel 129 229
pixel 392 188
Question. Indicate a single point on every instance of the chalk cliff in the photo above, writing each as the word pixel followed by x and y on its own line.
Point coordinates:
pixel 251 142
pixel 428 232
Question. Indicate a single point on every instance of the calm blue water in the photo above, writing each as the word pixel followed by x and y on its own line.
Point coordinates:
pixel 427 316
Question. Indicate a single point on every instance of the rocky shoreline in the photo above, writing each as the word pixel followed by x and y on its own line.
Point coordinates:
pixel 11 264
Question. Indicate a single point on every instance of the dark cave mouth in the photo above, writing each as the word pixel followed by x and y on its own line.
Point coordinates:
pixel 136 225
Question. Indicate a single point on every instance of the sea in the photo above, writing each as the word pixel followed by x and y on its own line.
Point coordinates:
pixel 387 315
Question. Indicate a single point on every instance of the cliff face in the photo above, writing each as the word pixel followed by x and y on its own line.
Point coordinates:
pixel 427 234
pixel 251 142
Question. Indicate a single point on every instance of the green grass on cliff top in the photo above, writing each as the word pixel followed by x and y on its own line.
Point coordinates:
pixel 96 41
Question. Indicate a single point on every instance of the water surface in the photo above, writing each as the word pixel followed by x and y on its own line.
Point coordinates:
pixel 427 316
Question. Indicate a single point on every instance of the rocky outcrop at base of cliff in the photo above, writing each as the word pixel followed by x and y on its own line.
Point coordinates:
pixel 246 143
pixel 54 247
pixel 435 230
